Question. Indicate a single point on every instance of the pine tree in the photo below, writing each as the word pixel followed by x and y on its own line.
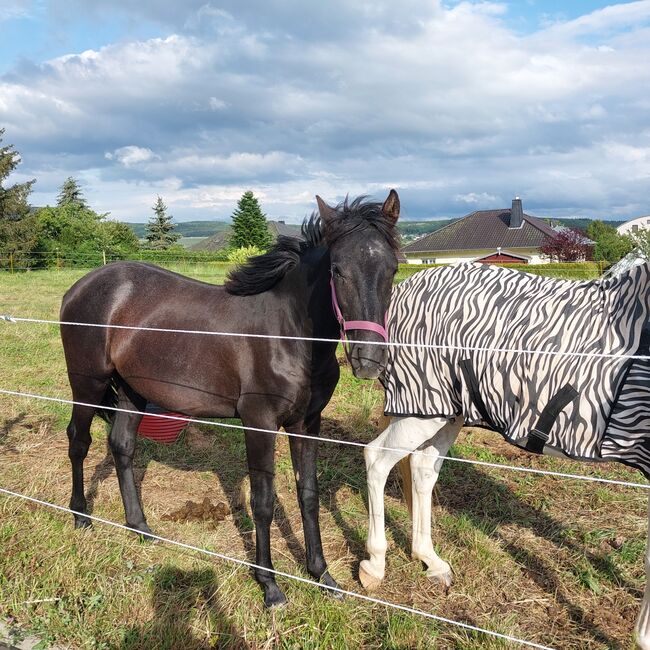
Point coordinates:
pixel 249 224
pixel 17 224
pixel 71 194
pixel 160 228
pixel 13 200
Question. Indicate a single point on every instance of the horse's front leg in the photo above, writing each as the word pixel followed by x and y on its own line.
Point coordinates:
pixel 400 438
pixel 304 455
pixel 643 622
pixel 425 468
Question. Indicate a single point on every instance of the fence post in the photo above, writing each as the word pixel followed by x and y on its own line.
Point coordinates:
pixel 11 262
pixel 104 257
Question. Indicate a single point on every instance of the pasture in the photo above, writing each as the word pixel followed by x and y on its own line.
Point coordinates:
pixel 554 561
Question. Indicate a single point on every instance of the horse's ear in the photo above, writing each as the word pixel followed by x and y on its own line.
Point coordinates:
pixel 391 206
pixel 326 213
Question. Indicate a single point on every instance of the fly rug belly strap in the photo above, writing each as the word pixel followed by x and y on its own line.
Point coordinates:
pixel 485 318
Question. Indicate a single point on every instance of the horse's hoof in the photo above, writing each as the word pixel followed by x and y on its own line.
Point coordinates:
pixel 82 522
pixel 643 643
pixel 144 533
pixel 327 580
pixel 443 577
pixel 273 597
pixel 369 581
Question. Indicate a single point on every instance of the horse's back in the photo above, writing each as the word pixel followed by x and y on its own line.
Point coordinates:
pixel 107 285
pixel 157 339
pixel 505 347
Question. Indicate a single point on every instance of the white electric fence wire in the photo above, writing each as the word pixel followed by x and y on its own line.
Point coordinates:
pixel 351 443
pixel 251 565
pixel 425 346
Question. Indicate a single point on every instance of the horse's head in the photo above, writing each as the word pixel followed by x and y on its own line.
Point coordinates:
pixel 362 240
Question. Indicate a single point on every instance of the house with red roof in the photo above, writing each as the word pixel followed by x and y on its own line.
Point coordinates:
pixel 489 236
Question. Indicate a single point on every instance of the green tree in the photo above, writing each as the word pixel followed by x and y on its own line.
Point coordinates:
pixel 71 194
pixel 640 241
pixel 71 231
pixel 249 224
pixel 17 224
pixel 241 255
pixel 160 228
pixel 117 238
pixel 609 245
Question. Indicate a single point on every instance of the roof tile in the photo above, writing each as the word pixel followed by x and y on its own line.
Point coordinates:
pixel 483 229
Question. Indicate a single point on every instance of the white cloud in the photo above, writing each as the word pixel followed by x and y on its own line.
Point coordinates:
pixel 10 9
pixel 472 198
pixel 450 106
pixel 130 155
pixel 216 104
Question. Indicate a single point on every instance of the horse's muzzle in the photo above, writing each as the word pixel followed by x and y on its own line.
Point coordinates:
pixel 367 361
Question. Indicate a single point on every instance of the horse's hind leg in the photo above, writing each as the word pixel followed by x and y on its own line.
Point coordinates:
pixel 122 441
pixel 78 443
pixel 401 437
pixel 642 628
pixel 425 467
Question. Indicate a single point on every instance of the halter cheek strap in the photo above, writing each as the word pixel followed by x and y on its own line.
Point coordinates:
pixel 354 324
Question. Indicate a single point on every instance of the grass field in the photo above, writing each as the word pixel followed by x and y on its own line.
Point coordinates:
pixel 554 561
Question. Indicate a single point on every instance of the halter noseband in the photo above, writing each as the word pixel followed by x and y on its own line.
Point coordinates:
pixel 354 324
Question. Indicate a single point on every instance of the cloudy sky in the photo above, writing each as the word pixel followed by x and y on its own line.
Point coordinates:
pixel 458 105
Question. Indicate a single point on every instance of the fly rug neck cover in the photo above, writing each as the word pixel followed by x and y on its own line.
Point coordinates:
pixel 486 318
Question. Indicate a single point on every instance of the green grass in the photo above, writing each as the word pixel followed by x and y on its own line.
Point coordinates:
pixel 535 557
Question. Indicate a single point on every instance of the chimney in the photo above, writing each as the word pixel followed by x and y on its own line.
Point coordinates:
pixel 516 214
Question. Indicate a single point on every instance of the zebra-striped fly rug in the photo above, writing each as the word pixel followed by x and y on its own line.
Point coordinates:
pixel 487 320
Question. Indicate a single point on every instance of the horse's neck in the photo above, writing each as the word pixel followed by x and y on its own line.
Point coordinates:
pixel 306 290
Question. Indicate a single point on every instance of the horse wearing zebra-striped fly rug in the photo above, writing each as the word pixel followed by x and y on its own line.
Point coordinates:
pixel 547 363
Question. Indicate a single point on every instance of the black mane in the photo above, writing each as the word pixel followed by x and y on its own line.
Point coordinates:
pixel 263 272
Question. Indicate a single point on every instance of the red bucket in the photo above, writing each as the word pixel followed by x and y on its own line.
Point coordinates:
pixel 165 430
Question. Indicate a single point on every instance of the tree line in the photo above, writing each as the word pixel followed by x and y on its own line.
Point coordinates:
pixel 73 231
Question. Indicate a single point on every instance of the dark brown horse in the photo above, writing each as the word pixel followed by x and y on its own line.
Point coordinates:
pixel 268 383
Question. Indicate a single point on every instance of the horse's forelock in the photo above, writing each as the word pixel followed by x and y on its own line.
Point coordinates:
pixel 359 214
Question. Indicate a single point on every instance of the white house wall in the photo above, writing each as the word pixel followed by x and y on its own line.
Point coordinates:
pixel 633 225
pixel 456 257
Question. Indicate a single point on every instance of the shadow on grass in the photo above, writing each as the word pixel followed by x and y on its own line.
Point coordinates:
pixel 464 490
pixel 7 428
pixel 179 599
pixel 484 501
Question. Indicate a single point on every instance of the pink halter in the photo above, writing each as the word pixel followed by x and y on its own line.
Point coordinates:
pixel 354 324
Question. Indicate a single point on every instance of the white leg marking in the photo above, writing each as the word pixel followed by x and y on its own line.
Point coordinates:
pixel 405 435
pixel 643 622
pixel 425 469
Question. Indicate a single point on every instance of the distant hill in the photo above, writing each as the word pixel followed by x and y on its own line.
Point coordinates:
pixel 220 239
pixel 580 224
pixel 187 228
pixel 409 230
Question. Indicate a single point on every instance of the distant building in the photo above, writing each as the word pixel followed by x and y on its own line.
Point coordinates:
pixel 634 225
pixel 488 236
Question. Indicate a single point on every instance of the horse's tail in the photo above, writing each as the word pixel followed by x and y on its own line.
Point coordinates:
pixel 109 400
